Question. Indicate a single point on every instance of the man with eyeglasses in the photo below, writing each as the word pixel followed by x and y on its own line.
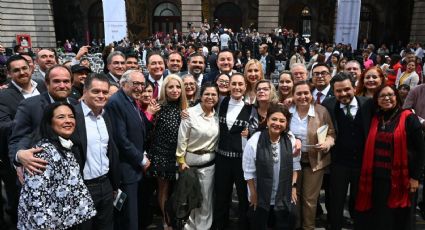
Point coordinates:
pixel 299 71
pixel 129 125
pixel 116 66
pixel 351 116
pixel 321 79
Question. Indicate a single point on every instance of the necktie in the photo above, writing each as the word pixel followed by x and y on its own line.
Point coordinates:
pixel 318 96
pixel 348 112
pixel 155 90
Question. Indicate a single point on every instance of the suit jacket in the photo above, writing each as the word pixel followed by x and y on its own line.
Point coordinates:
pixel 27 120
pixel 270 65
pixel 9 101
pixel 37 76
pixel 112 154
pixel 112 81
pixel 129 135
pixel 366 108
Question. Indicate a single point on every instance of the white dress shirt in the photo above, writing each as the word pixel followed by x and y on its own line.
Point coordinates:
pixel 97 161
pixel 159 83
pixel 299 125
pixel 27 94
pixel 324 93
pixel 354 107
pixel 235 107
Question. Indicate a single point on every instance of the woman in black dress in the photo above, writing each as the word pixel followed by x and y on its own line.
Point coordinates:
pixel 162 153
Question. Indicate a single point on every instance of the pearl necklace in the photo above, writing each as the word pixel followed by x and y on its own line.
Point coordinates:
pixel 274 146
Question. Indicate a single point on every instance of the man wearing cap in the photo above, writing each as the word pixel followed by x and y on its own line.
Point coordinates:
pixel 79 74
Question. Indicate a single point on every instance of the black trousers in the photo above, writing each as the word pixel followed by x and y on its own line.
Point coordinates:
pixel 380 216
pixel 277 220
pixel 9 178
pixel 341 177
pixel 101 193
pixel 128 217
pixel 148 205
pixel 228 171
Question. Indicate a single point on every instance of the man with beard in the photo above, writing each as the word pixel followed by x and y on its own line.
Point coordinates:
pixel 196 68
pixel 45 59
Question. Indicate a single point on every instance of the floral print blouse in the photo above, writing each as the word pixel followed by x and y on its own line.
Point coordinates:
pixel 58 198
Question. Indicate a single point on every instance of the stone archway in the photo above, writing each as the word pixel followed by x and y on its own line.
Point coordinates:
pixel 166 18
pixel 229 15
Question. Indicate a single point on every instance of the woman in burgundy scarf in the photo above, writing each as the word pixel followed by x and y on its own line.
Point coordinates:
pixel 392 164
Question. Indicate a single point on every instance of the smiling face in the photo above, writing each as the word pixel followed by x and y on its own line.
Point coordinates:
pixel 45 59
pixel 285 84
pixel 156 66
pixel 196 65
pixel 189 86
pixel 276 123
pixel 63 121
pixel 97 95
pixel 299 73
pixel 253 74
pixel 59 83
pixel 225 61
pixel 175 62
pixel 147 95
pixel 344 91
pixel 20 72
pixel 117 66
pixel 387 99
pixel 302 95
pixel 135 85
pixel 372 80
pixel 263 92
pixel 173 90
pixel 223 82
pixel 237 86
pixel 209 98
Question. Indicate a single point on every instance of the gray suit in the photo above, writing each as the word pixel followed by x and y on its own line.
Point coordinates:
pixel 37 76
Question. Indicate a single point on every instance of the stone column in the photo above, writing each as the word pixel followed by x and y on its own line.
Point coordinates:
pixel 191 12
pixel 268 15
pixel 417 29
pixel 33 17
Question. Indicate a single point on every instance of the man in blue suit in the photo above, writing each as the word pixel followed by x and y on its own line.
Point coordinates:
pixel 129 134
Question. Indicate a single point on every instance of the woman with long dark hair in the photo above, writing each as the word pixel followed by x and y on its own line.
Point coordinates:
pixel 58 197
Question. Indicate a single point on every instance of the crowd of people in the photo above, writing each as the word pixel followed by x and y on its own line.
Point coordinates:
pixel 178 123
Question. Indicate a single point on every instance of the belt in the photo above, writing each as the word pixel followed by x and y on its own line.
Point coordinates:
pixel 201 152
pixel 96 180
pixel 204 165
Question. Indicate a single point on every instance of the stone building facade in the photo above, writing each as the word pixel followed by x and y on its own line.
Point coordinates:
pixel 48 21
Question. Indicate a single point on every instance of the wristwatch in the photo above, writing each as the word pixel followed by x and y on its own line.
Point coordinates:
pixel 294 185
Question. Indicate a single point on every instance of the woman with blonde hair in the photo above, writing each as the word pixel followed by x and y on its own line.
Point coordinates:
pixel 265 95
pixel 252 74
pixel 162 152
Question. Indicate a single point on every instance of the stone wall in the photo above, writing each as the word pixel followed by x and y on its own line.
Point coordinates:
pixel 268 15
pixel 33 17
pixel 417 29
pixel 191 12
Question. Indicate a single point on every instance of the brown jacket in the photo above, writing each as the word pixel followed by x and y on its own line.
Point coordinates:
pixel 318 159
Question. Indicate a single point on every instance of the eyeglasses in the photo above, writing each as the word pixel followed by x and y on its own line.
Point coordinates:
pixel 189 84
pixel 223 82
pixel 265 89
pixel 323 73
pixel 137 84
pixel 383 96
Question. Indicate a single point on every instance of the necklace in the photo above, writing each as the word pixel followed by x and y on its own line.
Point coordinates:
pixel 274 146
pixel 385 123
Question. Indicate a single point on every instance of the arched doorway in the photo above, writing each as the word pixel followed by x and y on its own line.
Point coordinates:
pixel 166 17
pixel 95 19
pixel 229 15
pixel 292 18
pixel 365 29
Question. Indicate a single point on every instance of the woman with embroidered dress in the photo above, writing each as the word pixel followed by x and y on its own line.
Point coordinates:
pixel 392 165
pixel 271 172
pixel 58 197
pixel 162 153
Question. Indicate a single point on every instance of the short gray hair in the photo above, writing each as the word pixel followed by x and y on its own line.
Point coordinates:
pixel 300 65
pixel 126 76
pixel 113 54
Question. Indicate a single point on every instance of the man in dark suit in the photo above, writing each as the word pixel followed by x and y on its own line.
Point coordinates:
pixel 156 68
pixel 267 61
pixel 196 67
pixel 351 118
pixel 20 87
pixel 99 156
pixel 116 67
pixel 45 59
pixel 225 64
pixel 212 59
pixel 28 117
pixel 321 78
pixel 129 135
pixel 174 64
